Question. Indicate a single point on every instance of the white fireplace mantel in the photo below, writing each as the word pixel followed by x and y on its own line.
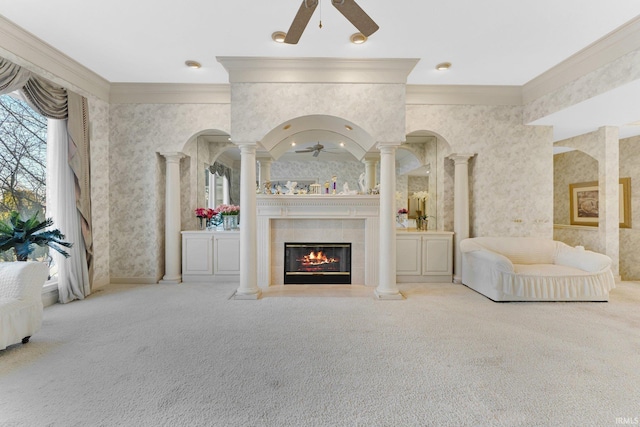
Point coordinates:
pixel 320 208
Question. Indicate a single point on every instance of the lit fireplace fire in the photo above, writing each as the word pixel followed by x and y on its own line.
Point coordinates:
pixel 317 263
pixel 315 259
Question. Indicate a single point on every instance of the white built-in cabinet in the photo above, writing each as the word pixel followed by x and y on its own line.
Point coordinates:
pixel 424 256
pixel 210 256
pixel 213 256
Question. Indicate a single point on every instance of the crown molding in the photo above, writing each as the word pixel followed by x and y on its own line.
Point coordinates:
pixel 463 95
pixel 316 70
pixel 30 52
pixel 612 46
pixel 170 93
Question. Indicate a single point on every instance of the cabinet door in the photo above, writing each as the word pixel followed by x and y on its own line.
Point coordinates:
pixel 197 254
pixel 408 255
pixel 436 255
pixel 227 251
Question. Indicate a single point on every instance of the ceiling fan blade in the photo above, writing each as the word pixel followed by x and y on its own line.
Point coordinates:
pixel 300 21
pixel 355 15
pixel 308 150
pixel 315 153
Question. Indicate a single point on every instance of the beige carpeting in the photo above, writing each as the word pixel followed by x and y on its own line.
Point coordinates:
pixel 186 355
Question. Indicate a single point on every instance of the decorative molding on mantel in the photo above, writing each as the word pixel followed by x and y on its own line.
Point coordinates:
pixel 319 208
pixel 170 93
pixel 463 95
pixel 621 41
pixel 30 52
pixel 317 70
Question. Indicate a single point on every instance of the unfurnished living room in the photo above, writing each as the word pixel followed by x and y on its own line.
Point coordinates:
pixel 319 213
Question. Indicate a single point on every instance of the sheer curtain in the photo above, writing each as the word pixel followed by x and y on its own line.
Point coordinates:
pixel 68 177
pixel 73 273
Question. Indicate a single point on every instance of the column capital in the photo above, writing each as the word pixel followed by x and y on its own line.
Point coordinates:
pixel 387 149
pixel 247 147
pixel 172 156
pixel 459 158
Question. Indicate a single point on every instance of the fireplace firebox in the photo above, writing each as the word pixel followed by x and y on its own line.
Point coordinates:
pixel 317 263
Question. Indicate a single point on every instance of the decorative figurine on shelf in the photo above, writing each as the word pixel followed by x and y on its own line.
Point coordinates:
pixel 346 191
pixel 363 187
pixel 291 186
pixel 326 187
pixel 314 188
pixel 267 187
pixel 334 179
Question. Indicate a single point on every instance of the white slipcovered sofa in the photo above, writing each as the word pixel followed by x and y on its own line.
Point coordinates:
pixel 534 269
pixel 20 300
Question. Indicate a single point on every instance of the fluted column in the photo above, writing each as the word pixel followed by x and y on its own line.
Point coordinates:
pixel 370 172
pixel 460 209
pixel 172 250
pixel 387 288
pixel 248 288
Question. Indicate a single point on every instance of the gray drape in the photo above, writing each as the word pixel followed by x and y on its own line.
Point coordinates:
pixel 220 170
pixel 56 102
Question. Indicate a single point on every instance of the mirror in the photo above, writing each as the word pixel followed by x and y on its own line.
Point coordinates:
pixel 217 170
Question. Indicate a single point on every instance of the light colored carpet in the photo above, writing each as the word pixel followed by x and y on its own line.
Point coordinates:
pixel 186 355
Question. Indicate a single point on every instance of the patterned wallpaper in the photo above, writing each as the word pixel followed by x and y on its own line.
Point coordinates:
pixel 137 133
pixel 511 177
pixel 576 166
pixel 99 131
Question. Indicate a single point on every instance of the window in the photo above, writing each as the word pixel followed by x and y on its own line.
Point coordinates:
pixel 23 160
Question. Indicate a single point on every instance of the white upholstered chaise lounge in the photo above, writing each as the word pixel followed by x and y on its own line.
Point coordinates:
pixel 534 269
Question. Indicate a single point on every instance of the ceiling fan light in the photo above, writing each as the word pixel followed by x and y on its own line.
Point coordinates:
pixel 358 38
pixel 192 64
pixel 443 66
pixel 278 36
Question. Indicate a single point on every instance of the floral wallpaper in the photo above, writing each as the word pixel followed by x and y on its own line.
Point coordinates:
pixel 137 133
pixel 511 176
pixel 99 132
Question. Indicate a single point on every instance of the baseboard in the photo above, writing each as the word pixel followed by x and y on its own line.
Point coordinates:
pixel 49 294
pixel 133 280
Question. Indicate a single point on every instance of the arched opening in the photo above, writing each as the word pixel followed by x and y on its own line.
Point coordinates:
pixel 422 171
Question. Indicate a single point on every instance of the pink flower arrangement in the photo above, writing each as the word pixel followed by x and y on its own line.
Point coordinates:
pixel 206 213
pixel 403 211
pixel 228 209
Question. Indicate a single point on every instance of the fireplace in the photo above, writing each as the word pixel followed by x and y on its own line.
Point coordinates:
pixel 317 263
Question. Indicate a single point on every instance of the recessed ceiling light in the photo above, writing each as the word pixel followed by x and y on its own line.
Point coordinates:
pixel 293 144
pixel 443 66
pixel 342 144
pixel 278 36
pixel 358 38
pixel 348 127
pixel 192 64
pixel 285 127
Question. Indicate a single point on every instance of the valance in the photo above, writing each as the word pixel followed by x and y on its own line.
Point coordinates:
pixel 55 102
pixel 220 170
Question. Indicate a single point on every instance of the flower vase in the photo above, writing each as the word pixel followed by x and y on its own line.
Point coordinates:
pixel 202 223
pixel 230 222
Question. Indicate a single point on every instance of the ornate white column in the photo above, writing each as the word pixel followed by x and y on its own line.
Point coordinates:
pixel 387 288
pixel 172 248
pixel 460 209
pixel 248 288
pixel 370 172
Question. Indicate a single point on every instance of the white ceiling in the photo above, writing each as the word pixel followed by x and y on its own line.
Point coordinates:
pixel 490 42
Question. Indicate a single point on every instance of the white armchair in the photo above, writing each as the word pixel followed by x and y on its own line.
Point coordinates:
pixel 534 269
pixel 20 300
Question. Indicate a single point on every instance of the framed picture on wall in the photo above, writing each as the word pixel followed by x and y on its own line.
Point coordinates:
pixel 584 205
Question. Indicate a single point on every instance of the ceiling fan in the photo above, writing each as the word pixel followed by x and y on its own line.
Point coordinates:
pixel 315 149
pixel 348 8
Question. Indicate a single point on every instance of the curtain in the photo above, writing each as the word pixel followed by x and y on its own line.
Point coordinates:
pixel 73 272
pixel 57 103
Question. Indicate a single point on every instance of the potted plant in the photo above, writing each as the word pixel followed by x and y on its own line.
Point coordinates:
pixel 21 236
